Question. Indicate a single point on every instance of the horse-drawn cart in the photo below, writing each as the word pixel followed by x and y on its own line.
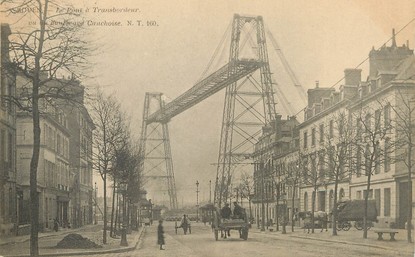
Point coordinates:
pixel 224 226
pixel 349 211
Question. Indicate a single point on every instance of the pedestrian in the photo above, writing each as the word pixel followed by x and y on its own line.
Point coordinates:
pixel 160 235
pixel 55 224
pixel 238 211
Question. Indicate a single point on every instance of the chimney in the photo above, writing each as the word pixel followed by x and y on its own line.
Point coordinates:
pixel 352 77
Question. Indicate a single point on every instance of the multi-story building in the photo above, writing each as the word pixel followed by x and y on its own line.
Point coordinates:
pixel 385 106
pixel 340 123
pixel 61 188
pixel 80 127
pixel 270 190
pixel 320 133
pixel 8 187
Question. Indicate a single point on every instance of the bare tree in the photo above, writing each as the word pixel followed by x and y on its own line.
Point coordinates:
pixel 109 135
pixel 293 181
pixel 373 145
pixel 337 146
pixel 246 188
pixel 40 52
pixel 313 176
pixel 405 124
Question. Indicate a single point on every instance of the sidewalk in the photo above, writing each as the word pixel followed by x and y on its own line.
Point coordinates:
pixel 352 237
pixel 20 245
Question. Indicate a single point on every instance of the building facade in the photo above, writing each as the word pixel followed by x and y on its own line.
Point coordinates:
pixel 275 146
pixel 8 186
pixel 80 127
pixel 54 177
pixel 364 130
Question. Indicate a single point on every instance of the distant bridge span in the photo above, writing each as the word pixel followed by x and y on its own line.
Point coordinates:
pixel 226 75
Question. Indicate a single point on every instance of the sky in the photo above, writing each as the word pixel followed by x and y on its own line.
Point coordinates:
pixel 319 38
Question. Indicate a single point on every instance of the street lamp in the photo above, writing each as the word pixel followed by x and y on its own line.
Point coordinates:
pixel 210 191
pixel 284 214
pixel 123 189
pixel 96 204
pixel 197 201
pixel 262 197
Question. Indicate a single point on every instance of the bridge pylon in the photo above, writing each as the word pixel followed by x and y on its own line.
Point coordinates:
pixel 249 105
pixel 155 151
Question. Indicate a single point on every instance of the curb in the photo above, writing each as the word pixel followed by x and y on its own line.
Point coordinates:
pixel 39 236
pixel 348 243
pixel 337 241
pixel 116 250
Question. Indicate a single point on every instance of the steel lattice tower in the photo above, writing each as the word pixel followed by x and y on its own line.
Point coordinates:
pixel 156 158
pixel 249 105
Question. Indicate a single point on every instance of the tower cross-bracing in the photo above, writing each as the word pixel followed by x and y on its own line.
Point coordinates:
pixel 249 105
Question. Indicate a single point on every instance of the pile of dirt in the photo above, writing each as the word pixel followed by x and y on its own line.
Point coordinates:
pixel 76 241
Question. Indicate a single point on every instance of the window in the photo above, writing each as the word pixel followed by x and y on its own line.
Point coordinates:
pixel 387 116
pixel 387 162
pixel 341 126
pixel 377 119
pixel 358 195
pixel 370 196
pixel 321 133
pixel 377 198
pixel 313 136
pixel 367 122
pixel 387 202
pixel 331 129
pixel 305 201
pixel 377 160
pixel 358 161
pixel 358 129
pixel 367 161
pixel 305 139
pixel 321 167
pixel 10 155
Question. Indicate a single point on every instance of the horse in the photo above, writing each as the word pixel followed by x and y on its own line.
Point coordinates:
pixel 320 220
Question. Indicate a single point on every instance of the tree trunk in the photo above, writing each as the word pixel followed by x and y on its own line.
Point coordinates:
pixel 117 211
pixel 334 214
pixel 292 210
pixel 34 197
pixel 313 205
pixel 366 203
pixel 409 221
pixel 250 209
pixel 104 235
pixel 112 211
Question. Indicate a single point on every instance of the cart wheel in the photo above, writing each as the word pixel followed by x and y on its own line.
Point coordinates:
pixel 346 226
pixel 339 226
pixel 216 234
pixel 358 225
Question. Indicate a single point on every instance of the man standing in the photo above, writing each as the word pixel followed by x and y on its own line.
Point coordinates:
pixel 160 235
pixel 238 211
pixel 226 211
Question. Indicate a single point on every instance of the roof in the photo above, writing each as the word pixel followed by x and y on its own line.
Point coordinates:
pixel 406 69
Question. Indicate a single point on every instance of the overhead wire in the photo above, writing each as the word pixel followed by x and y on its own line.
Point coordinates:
pixel 338 81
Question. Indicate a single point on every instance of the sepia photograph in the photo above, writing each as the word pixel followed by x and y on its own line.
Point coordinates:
pixel 212 128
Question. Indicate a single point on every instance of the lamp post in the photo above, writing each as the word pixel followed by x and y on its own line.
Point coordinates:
pixel 284 214
pixel 210 191
pixel 262 198
pixel 197 201
pixel 123 188
pixel 96 204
